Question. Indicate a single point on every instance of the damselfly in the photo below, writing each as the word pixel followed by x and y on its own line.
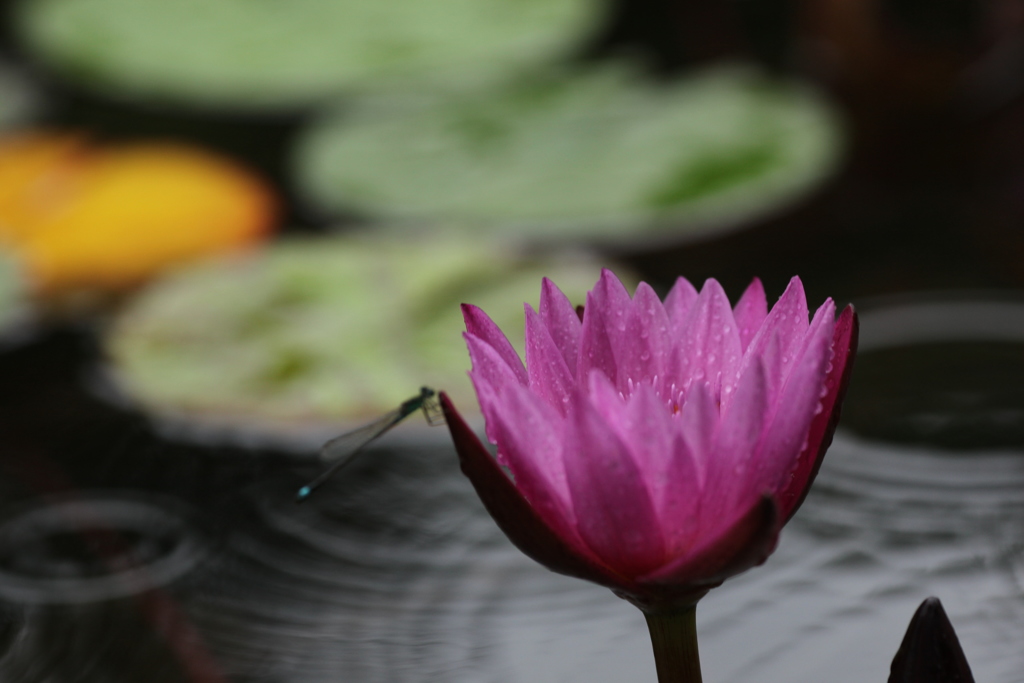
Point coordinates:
pixel 343 449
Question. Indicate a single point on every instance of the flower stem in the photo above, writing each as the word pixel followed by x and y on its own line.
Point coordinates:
pixel 674 637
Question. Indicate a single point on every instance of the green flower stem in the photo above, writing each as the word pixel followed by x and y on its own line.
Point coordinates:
pixel 674 637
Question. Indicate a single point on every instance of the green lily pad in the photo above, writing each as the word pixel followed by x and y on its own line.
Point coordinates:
pixel 577 155
pixel 324 330
pixel 260 53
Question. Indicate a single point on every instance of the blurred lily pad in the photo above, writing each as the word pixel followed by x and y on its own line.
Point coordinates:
pixel 269 53
pixel 324 330
pixel 583 154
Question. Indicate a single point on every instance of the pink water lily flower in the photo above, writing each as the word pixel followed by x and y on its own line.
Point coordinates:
pixel 654 448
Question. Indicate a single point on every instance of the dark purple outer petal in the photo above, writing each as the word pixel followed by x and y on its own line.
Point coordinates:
pixel 819 438
pixel 514 515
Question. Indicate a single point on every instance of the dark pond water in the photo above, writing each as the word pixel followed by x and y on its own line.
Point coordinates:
pixel 127 556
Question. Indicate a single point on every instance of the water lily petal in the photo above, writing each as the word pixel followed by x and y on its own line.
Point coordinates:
pixel 559 315
pixel 738 436
pixel 775 364
pixel 515 516
pixel 678 303
pixel 788 321
pixel 610 404
pixel 750 312
pixel 744 543
pixel 646 347
pixel 480 325
pixel 530 443
pixel 698 424
pixel 785 435
pixel 489 375
pixel 819 436
pixel 549 375
pixel 647 430
pixel 614 512
pixel 710 344
pixel 604 326
pixel 667 464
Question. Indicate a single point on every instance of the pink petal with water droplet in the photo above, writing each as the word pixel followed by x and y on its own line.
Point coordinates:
pixel 645 352
pixel 750 312
pixel 490 374
pixel 480 325
pixel 516 517
pixel 739 434
pixel 609 403
pixel 559 315
pixel 530 444
pixel 614 512
pixel 819 436
pixel 604 329
pixel 774 368
pixel 786 434
pixel 488 364
pixel 678 303
pixel 647 431
pixel 656 442
pixel 784 328
pixel 698 424
pixel 549 376
pixel 787 318
pixel 710 344
pixel 822 325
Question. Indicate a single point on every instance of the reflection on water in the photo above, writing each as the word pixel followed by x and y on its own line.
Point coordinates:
pixel 394 572
pixel 945 373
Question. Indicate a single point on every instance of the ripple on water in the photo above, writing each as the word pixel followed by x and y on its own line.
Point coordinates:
pixel 393 571
pixel 922 493
pixel 884 526
pixel 95 547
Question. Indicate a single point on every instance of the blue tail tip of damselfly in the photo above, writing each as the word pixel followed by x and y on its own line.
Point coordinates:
pixel 303 494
